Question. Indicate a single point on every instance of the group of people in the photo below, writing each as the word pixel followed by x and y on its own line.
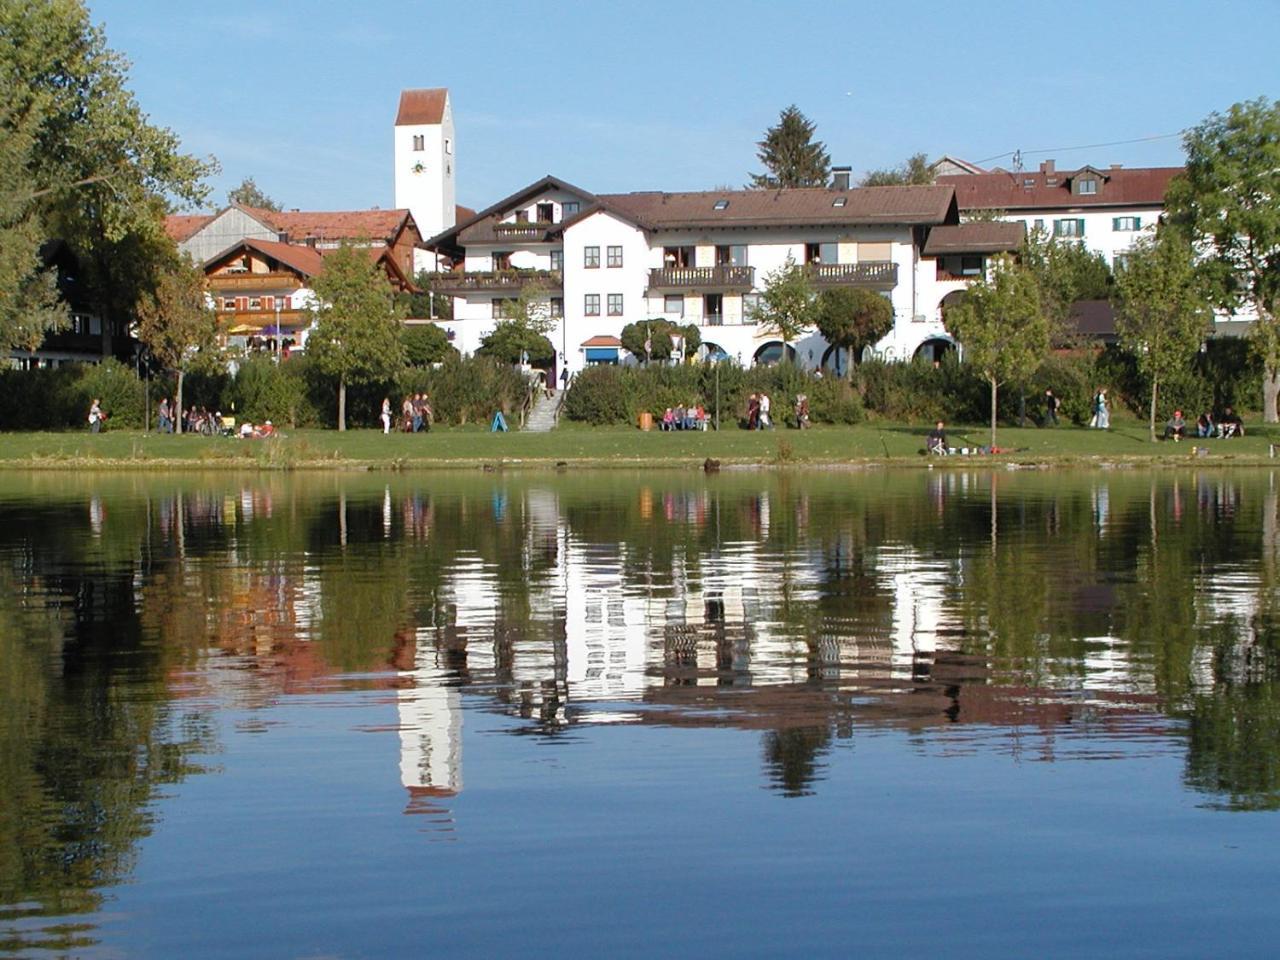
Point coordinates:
pixel 692 417
pixel 758 412
pixel 416 414
pixel 1223 425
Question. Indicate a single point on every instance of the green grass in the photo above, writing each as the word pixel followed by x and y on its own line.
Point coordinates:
pixel 604 446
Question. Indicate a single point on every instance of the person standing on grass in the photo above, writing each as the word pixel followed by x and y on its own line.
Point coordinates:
pixel 1050 408
pixel 765 403
pixel 385 416
pixel 95 416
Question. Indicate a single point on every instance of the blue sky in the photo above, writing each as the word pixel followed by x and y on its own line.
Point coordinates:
pixel 301 94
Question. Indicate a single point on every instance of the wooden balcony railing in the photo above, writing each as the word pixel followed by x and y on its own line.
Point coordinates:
pixel 266 282
pixel 874 274
pixel 948 276
pixel 496 280
pixel 522 231
pixel 292 318
pixel 723 277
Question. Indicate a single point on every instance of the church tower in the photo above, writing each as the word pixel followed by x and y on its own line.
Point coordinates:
pixel 426 161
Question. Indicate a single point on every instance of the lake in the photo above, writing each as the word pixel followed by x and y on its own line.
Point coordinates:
pixel 754 714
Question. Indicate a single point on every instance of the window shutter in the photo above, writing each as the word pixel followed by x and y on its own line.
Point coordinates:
pixel 1137 223
pixel 1115 223
pixel 1080 227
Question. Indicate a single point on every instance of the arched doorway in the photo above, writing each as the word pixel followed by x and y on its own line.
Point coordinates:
pixel 771 353
pixel 934 349
pixel 710 352
pixel 837 361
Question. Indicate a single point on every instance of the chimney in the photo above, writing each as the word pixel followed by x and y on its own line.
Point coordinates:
pixel 1046 166
pixel 840 177
pixel 1116 166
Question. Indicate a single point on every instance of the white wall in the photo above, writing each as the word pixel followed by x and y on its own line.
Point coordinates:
pixel 430 195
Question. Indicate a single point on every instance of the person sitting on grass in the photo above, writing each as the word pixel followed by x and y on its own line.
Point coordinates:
pixel 1230 424
pixel 1204 425
pixel 1175 428
pixel 936 442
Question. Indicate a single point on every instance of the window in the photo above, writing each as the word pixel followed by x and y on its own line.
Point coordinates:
pixel 557 306
pixel 503 307
pixel 546 212
pixel 713 309
pixel 1126 224
pixel 228 303
pixel 970 266
pixel 615 304
pixel 591 257
pixel 569 209
pixel 721 205
pixel 522 216
pixel 591 305
pixel 615 256
pixel 1088 186
pixel 557 259
pixel 1038 225
pixel 822 253
pixel 733 255
pixel 750 304
pixel 673 304
pixel 448 145
pixel 502 260
pixel 1068 228
pixel 255 303
pixel 839 201
pixel 420 142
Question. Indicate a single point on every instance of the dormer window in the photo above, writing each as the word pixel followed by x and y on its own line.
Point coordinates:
pixel 721 205
pixel 419 142
pixel 1088 186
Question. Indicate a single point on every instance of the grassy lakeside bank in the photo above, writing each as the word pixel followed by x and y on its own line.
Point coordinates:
pixel 890 444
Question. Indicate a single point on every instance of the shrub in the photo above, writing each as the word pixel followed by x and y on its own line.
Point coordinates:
pixel 598 397
pixel 117 387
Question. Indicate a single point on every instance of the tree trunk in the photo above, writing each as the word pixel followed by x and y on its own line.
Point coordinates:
pixel 1155 390
pixel 993 413
pixel 177 416
pixel 1270 390
pixel 342 404
pixel 1022 409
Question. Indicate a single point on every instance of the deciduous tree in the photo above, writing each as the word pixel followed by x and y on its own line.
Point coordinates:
pixel 649 339
pixel 177 323
pixel 356 323
pixel 425 344
pixel 792 158
pixel 1228 201
pixel 1066 273
pixel 249 194
pixel 1162 316
pixel 914 171
pixel 1002 327
pixel 786 305
pixel 851 318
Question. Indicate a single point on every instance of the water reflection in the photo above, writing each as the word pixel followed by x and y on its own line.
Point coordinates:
pixel 1037 616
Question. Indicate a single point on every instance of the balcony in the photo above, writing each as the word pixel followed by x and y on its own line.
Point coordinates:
pixel 262 318
pixel 723 277
pixel 522 231
pixel 875 274
pixel 496 281
pixel 254 281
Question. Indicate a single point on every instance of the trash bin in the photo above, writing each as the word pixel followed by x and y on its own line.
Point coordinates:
pixel 646 420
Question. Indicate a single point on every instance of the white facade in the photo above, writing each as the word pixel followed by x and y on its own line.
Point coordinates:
pixel 1108 232
pixel 607 272
pixel 425 167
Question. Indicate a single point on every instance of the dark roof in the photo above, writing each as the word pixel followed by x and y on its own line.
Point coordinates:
pixel 1051 189
pixel 1094 319
pixel 421 106
pixel 987 237
pixel 484 221
pixel 305 260
pixel 814 206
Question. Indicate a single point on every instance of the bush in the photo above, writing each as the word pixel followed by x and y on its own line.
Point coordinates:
pixel 265 390
pixel 598 397
pixel 465 390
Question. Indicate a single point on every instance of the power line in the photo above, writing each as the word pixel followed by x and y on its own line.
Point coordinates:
pixel 1086 146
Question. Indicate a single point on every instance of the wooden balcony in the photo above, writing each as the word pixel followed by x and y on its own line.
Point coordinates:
pixel 522 231
pixel 702 278
pixel 496 281
pixel 263 318
pixel 264 282
pixel 882 274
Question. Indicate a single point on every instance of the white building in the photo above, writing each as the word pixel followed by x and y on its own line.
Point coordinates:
pixel 702 258
pixel 425 162
pixel 1105 209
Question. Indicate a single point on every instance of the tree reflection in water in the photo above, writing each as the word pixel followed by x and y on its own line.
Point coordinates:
pixel 1024 609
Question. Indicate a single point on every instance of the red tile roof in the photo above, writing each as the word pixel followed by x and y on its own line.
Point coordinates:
pixel 984 237
pixel 182 226
pixel 602 340
pixel 421 106
pixel 333 225
pixel 1050 189
pixel 462 214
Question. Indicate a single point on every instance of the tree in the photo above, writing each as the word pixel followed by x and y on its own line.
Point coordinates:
pixel 1161 316
pixel 531 309
pixel 425 344
pixel 249 194
pixel 521 335
pixel 691 340
pixel 177 322
pixel 786 306
pixel 1226 200
pixel 355 323
pixel 1066 273
pixel 914 171
pixel 851 318
pixel 790 155
pixel 1001 326
pixel 425 304
pixel 649 339
pixel 97 174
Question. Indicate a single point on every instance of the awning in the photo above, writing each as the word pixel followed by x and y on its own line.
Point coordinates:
pixel 602 354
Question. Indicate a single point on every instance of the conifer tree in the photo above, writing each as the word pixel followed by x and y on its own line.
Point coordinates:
pixel 791 156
